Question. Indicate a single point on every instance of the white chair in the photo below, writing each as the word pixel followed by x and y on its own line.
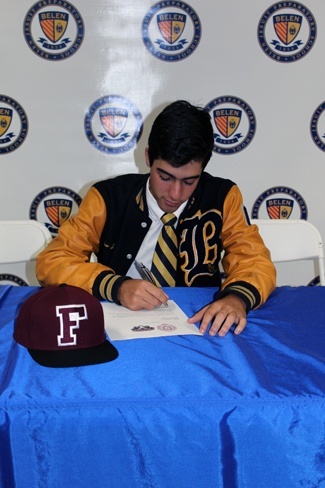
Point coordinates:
pixel 22 240
pixel 292 240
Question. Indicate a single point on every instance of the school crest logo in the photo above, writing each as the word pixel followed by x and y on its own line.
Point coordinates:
pixel 53 206
pixel 280 203
pixel 227 121
pixel 5 121
pixel 57 211
pixel 172 27
pixel 317 126
pixel 113 124
pixel 53 29
pixel 279 208
pixel 234 124
pixel 287 31
pixel 171 31
pixel 113 120
pixel 54 24
pixel 287 28
pixel 13 124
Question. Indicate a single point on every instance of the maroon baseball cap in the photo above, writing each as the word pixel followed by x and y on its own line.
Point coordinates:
pixel 63 326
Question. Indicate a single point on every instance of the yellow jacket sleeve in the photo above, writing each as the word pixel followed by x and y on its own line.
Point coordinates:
pixel 66 258
pixel 246 259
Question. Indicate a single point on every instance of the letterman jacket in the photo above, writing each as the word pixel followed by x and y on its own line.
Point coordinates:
pixel 113 220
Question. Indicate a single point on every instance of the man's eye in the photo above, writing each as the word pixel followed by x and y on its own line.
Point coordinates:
pixel 164 178
pixel 189 183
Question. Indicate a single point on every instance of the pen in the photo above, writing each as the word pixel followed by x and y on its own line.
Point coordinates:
pixel 146 274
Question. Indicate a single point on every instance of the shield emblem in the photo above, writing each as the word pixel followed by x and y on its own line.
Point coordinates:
pixel 227 124
pixel 54 24
pixel 58 211
pixel 171 26
pixel 287 27
pixel 279 208
pixel 5 119
pixel 113 120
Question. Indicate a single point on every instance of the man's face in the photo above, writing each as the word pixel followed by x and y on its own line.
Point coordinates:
pixel 173 186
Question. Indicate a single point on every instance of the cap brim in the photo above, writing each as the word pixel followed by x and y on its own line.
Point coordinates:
pixel 103 353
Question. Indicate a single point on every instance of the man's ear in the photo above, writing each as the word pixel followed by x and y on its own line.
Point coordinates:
pixel 146 154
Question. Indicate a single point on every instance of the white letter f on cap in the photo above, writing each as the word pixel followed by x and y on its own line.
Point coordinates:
pixel 70 316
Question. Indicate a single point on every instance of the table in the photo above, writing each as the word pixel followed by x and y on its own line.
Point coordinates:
pixel 241 411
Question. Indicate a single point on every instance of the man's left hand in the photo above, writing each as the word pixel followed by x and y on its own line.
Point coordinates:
pixel 222 314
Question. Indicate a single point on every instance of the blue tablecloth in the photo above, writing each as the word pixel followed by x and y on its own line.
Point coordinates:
pixel 241 411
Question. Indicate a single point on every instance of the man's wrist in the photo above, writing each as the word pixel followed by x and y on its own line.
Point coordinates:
pixel 248 294
pixel 107 285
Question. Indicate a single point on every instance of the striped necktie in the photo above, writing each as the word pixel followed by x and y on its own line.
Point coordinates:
pixel 165 256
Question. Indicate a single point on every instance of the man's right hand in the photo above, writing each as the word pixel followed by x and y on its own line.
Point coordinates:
pixel 140 294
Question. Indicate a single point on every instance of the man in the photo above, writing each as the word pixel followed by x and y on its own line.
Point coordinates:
pixel 120 220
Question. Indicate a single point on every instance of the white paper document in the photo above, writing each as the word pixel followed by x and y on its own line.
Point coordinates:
pixel 122 323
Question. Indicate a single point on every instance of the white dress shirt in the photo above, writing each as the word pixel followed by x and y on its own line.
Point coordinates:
pixel 147 248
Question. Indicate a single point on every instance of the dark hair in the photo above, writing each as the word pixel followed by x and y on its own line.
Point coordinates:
pixel 181 133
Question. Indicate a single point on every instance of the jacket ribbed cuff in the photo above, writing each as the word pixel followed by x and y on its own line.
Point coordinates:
pixel 106 286
pixel 248 293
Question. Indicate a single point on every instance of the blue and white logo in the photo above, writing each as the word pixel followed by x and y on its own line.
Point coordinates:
pixel 113 124
pixel 13 124
pixel 53 206
pixel 287 31
pixel 280 202
pixel 317 126
pixel 171 31
pixel 54 29
pixel 234 124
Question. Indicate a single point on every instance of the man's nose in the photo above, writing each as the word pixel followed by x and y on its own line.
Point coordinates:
pixel 175 190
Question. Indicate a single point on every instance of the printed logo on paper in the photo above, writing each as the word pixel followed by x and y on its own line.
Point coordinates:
pixel 171 31
pixel 234 124
pixel 53 206
pixel 13 124
pixel 280 202
pixel 142 328
pixel 287 31
pixel 11 279
pixel 167 327
pixel 317 126
pixel 113 124
pixel 53 29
